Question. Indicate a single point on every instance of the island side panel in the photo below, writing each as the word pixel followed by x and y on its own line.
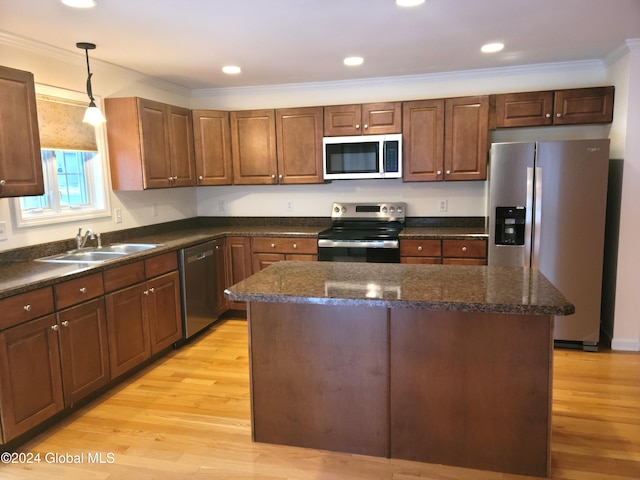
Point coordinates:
pixel 319 376
pixel 471 389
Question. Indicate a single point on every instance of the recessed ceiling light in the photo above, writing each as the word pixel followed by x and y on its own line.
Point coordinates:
pixel 409 3
pixel 231 70
pixel 80 3
pixel 353 61
pixel 492 47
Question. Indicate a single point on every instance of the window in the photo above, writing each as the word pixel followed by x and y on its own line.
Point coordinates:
pixel 72 160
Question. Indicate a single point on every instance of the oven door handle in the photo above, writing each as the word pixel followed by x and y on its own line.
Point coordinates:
pixel 325 242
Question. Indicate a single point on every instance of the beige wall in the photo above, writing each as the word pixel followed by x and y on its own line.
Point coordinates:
pixel 67 70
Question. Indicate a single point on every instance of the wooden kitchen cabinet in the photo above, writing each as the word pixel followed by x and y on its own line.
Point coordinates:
pixel 253 147
pixel 142 318
pixel 269 250
pixel 560 107
pixel 238 264
pixel 299 145
pixel 471 251
pixel 212 142
pixel 30 376
pixel 20 160
pixel 221 275
pixel 420 251
pixel 366 119
pixel 423 140
pixel 150 144
pixel 84 350
pixel 466 138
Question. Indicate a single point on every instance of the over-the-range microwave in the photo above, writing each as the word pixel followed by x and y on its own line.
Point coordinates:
pixel 366 156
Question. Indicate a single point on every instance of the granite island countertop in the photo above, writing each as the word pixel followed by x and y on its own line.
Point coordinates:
pixel 511 290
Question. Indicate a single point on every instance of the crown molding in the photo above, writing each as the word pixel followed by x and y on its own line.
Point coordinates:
pixel 405 80
pixel 71 57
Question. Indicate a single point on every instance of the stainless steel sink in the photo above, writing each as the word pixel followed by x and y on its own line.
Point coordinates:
pixel 99 254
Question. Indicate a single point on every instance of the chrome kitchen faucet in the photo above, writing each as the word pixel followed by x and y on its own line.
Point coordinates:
pixel 81 240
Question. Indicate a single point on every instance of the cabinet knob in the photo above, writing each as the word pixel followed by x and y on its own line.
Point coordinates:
pixel 146 292
pixel 419 248
pixel 151 290
pixel 27 308
pixel 448 172
pixel 273 176
pixel 280 176
pixel 548 115
pixel 558 115
pixel 464 249
pixel 366 126
pixel 295 245
pixel 439 172
pixel 200 177
pixel 170 178
pixel 358 126
pixel 273 245
pixel 54 328
pixel 83 290
pixel 2 182
pixel 65 323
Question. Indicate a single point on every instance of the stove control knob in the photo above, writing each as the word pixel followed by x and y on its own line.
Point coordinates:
pixel 392 209
pixel 344 209
pixel 399 209
pixel 384 209
pixel 336 209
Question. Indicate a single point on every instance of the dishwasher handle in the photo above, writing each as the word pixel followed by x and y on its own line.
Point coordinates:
pixel 199 256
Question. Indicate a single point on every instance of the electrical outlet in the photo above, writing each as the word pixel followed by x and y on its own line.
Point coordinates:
pixel 117 213
pixel 289 205
pixel 3 231
pixel 443 205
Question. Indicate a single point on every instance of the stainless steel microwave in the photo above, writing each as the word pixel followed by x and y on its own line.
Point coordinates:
pixel 367 156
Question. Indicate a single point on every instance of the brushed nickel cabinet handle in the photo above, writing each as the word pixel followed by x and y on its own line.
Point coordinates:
pixel 419 248
pixel 27 308
pixel 295 245
pixel 273 245
pixel 439 172
pixel 464 249
pixel 65 323
pixel 83 290
pixel 54 328
pixel 2 182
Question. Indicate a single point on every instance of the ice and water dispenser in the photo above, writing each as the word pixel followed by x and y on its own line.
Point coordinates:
pixel 510 223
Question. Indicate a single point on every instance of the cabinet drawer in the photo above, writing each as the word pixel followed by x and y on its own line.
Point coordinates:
pixel 26 306
pixel 285 245
pixel 421 260
pixel 155 266
pixel 78 290
pixel 472 248
pixel 120 277
pixel 420 248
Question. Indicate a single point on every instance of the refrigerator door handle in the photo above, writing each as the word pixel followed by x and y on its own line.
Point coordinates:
pixel 537 225
pixel 529 218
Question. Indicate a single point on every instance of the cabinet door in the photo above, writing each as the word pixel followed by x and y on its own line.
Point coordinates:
pixel 299 145
pixel 165 318
pixel 30 375
pixel 221 279
pixel 253 147
pixel 423 140
pixel 466 138
pixel 263 260
pixel 155 144
pixel 180 133
pixel 84 350
pixel 528 109
pixel 128 329
pixel 20 162
pixel 212 140
pixel 237 264
pixel 342 120
pixel 583 105
pixel 381 118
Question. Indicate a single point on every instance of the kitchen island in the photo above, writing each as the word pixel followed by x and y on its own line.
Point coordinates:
pixel 434 363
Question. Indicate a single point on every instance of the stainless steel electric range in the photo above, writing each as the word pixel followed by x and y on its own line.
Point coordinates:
pixel 363 232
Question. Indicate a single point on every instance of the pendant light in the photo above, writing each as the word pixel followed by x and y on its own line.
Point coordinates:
pixel 93 115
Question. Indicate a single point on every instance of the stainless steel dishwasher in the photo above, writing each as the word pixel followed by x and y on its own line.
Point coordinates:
pixel 199 287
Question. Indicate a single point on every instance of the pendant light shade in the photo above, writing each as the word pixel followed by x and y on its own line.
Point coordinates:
pixel 93 115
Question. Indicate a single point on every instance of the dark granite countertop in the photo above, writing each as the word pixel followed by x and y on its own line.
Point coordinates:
pixel 19 272
pixel 432 287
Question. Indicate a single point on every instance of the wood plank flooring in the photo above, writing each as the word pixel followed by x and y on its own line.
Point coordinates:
pixel 188 417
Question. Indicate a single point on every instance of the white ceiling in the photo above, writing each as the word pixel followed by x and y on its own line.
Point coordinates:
pixel 186 42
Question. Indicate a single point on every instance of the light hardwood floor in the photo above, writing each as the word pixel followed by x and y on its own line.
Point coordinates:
pixel 188 417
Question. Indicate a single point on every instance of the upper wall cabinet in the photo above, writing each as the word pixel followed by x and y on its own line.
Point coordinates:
pixel 20 162
pixel 150 144
pixel 212 141
pixel 253 147
pixel 423 140
pixel 367 119
pixel 299 145
pixel 560 107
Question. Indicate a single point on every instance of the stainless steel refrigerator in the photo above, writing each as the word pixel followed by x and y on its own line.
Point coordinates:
pixel 547 203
